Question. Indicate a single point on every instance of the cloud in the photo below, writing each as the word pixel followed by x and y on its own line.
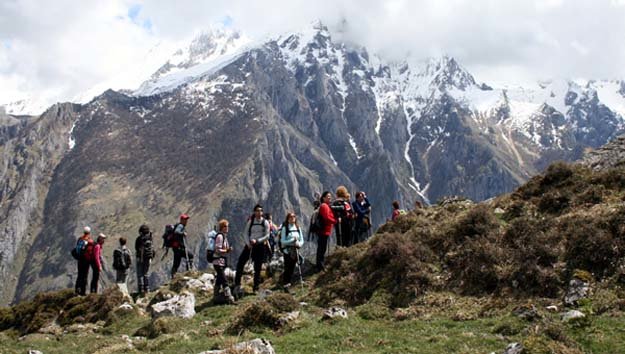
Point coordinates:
pixel 76 45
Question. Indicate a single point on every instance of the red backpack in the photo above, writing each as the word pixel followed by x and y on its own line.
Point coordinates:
pixel 88 253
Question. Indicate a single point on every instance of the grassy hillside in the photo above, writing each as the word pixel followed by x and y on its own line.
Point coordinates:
pixel 457 277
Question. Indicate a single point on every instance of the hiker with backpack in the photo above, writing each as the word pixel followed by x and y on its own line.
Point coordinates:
pixel 144 250
pixel 257 235
pixel 179 245
pixel 83 253
pixel 122 260
pixel 216 254
pixel 344 214
pixel 97 263
pixel 291 240
pixel 323 228
pixel 362 221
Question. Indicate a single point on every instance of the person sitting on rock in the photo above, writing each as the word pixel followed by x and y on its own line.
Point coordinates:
pixel 220 261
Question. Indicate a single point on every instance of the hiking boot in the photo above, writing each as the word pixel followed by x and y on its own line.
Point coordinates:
pixel 229 298
pixel 287 288
pixel 238 292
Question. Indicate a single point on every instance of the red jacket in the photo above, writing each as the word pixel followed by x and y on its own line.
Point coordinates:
pixel 328 219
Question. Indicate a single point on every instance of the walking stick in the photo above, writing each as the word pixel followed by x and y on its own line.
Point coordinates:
pixel 299 269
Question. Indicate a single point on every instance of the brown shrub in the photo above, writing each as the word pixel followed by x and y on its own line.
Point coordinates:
pixel 30 316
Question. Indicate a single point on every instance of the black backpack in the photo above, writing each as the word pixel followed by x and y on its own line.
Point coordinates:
pixel 169 237
pixel 316 222
pixel 146 247
pixel 121 259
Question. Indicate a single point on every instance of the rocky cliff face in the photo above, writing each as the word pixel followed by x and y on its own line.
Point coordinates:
pixel 220 129
pixel 30 151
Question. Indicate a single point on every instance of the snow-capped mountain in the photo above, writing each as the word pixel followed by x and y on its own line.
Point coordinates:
pixel 226 123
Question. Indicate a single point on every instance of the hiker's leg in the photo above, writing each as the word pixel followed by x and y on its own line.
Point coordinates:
pixel 146 278
pixel 289 268
pixel 95 277
pixel 258 255
pixel 81 278
pixel 243 258
pixel 322 244
pixel 177 258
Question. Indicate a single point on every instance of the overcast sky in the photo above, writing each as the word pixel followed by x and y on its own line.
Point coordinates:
pixel 56 50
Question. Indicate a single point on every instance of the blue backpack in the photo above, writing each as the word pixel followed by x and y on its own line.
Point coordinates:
pixel 210 248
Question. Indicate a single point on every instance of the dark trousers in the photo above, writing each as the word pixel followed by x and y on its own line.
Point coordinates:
pixel 344 234
pixel 120 276
pixel 220 278
pixel 258 255
pixel 179 254
pixel 289 266
pixel 82 277
pixel 143 267
pixel 322 245
pixel 95 277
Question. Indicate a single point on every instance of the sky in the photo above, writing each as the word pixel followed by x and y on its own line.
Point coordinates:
pixel 58 50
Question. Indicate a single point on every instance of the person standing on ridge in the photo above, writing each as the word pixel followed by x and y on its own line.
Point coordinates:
pixel 327 221
pixel 83 253
pixel 362 222
pixel 257 232
pixel 291 240
pixel 144 250
pixel 343 212
pixel 220 262
pixel 181 250
pixel 97 263
pixel 121 261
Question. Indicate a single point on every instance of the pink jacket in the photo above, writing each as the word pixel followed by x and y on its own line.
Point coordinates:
pixel 97 250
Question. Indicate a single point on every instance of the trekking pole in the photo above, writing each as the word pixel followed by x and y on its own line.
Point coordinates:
pixel 299 268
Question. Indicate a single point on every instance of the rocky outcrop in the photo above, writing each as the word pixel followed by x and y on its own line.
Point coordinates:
pixel 607 156
pixel 182 305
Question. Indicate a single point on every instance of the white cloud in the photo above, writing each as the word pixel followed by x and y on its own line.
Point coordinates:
pixel 59 49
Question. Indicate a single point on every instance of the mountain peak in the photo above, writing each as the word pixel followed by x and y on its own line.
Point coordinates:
pixel 446 73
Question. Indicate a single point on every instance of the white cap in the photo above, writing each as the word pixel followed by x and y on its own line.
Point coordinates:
pixel 102 236
pixel 86 230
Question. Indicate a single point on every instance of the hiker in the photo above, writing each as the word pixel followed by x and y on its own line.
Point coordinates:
pixel 312 234
pixel 180 247
pixel 327 221
pixel 83 252
pixel 273 230
pixel 145 252
pixel 220 262
pixel 97 263
pixel 396 211
pixel 122 261
pixel 344 214
pixel 257 230
pixel 362 222
pixel 291 240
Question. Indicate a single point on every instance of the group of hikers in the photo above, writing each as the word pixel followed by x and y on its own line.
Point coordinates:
pixel 350 220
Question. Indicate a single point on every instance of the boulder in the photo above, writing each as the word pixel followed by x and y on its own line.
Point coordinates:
pixel 182 305
pixel 572 315
pixel 125 307
pixel 255 346
pixel 578 289
pixel 288 318
pixel 514 348
pixel 34 352
pixel 265 293
pixel 334 313
pixel 527 312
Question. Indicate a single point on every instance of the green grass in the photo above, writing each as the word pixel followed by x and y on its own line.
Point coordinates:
pixel 310 335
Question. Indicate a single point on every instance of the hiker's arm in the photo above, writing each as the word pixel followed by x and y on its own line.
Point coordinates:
pixel 246 233
pixel 267 232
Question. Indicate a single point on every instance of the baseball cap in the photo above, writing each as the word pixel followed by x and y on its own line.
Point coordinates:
pixel 86 230
pixel 184 216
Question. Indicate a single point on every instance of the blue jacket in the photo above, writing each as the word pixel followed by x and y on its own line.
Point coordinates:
pixel 291 238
